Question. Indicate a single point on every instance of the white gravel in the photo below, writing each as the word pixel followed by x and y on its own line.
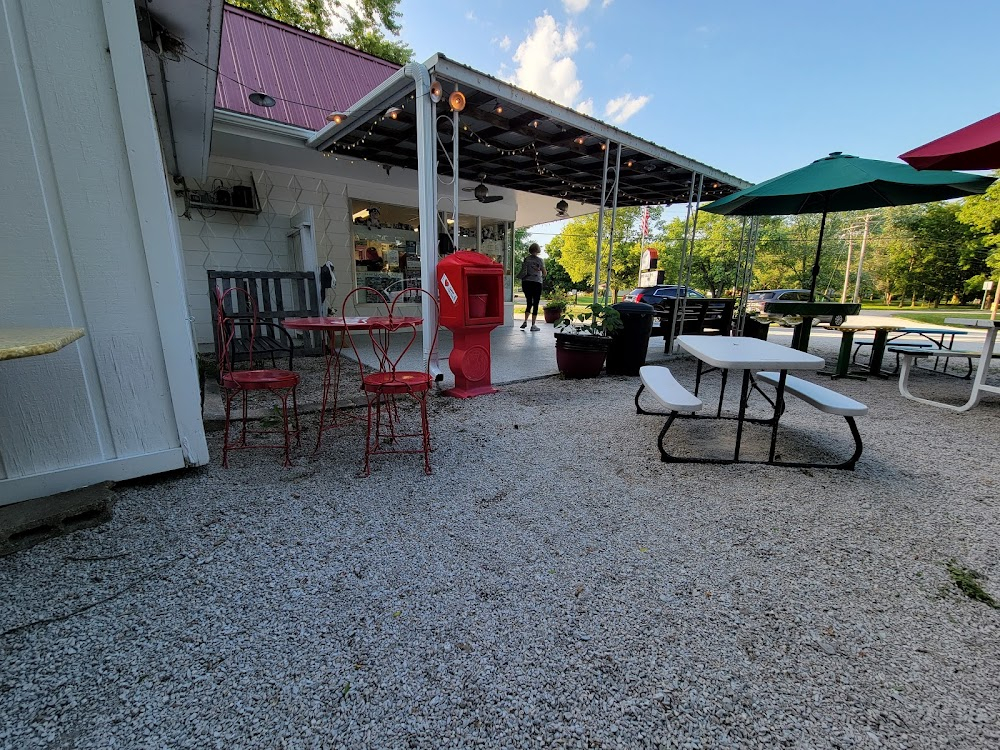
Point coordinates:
pixel 553 584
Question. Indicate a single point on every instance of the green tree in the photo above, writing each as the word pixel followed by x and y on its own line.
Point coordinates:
pixel 367 22
pixel 309 15
pixel 945 252
pixel 576 246
pixel 982 214
pixel 555 275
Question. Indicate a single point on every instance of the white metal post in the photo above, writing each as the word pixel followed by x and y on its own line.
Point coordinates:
pixel 427 206
pixel 600 221
pixel 611 231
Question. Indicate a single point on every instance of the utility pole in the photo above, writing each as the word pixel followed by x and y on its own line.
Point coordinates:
pixel 847 269
pixel 861 259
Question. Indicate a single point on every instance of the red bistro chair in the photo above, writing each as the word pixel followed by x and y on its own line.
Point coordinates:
pixel 393 388
pixel 233 381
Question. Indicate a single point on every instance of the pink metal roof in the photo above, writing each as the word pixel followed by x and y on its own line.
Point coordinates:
pixel 307 75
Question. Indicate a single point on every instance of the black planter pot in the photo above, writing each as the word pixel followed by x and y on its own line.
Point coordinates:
pixel 581 356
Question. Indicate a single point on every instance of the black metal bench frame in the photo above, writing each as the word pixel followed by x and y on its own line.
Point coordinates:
pixel 705 316
pixel 277 295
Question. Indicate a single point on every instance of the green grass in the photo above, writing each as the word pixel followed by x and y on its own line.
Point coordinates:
pixel 967 581
pixel 572 309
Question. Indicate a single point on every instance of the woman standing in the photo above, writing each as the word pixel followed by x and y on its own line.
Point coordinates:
pixel 532 273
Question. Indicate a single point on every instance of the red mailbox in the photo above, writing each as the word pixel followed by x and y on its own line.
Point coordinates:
pixel 470 288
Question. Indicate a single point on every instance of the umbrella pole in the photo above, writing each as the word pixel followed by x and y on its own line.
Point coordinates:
pixel 819 248
pixel 800 339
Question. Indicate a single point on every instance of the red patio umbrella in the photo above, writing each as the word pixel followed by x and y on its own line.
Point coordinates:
pixel 976 146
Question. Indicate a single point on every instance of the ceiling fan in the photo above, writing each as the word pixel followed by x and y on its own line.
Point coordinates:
pixel 482 193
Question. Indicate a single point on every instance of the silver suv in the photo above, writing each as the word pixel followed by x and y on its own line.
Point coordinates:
pixel 756 300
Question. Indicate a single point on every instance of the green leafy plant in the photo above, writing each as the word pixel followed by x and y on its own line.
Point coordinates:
pixel 967 581
pixel 557 301
pixel 596 320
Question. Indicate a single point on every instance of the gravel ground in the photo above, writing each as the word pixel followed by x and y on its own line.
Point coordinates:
pixel 543 588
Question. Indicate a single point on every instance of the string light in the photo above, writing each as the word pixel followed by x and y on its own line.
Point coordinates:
pixel 579 140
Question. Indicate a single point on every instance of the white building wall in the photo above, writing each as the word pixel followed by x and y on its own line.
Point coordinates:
pixel 72 253
pixel 223 240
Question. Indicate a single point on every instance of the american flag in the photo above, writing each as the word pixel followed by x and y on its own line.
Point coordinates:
pixel 645 221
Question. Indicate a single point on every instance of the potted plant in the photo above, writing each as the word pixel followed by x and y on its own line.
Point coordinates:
pixel 555 307
pixel 582 341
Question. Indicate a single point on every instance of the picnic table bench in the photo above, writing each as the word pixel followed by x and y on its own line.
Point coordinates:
pixel 934 341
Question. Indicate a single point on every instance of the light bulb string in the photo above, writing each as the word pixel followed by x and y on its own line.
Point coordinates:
pixel 348 147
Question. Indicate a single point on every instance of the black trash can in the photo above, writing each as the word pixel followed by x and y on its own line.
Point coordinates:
pixel 627 352
pixel 755 329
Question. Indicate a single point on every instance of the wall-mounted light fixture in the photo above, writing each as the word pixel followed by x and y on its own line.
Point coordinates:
pixel 436 92
pixel 456 99
pixel 336 117
pixel 534 123
pixel 630 163
pixel 261 99
pixel 579 140
pixel 561 208
pixel 393 113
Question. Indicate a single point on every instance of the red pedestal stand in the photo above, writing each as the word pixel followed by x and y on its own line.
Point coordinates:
pixel 470 288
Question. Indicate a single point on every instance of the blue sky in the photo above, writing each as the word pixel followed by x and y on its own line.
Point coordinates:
pixel 752 88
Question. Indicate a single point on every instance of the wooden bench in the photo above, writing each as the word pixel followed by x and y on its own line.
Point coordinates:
pixel 826 400
pixel 712 317
pixel 277 295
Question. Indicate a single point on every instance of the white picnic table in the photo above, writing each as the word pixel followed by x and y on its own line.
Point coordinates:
pixel 979 386
pixel 747 354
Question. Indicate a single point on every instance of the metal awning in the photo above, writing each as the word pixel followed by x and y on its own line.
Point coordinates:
pixel 519 141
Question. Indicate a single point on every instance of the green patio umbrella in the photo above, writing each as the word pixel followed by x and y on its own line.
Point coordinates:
pixel 840 182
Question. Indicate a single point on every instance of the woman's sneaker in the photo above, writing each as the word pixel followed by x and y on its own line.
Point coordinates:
pixel 534 328
pixel 524 325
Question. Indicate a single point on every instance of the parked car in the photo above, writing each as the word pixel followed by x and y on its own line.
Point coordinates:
pixel 660 295
pixel 756 300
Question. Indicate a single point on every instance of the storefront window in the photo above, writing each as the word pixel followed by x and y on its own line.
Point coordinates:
pixel 386 242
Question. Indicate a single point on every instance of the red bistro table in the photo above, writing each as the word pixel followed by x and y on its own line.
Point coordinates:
pixel 331 377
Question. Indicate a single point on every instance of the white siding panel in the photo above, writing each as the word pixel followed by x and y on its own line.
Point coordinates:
pixel 72 253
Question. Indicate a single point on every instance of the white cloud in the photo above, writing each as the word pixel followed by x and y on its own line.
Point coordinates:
pixel 606 3
pixel 625 61
pixel 470 16
pixel 545 64
pixel 504 43
pixel 621 109
pixel 586 107
pixel 575 6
